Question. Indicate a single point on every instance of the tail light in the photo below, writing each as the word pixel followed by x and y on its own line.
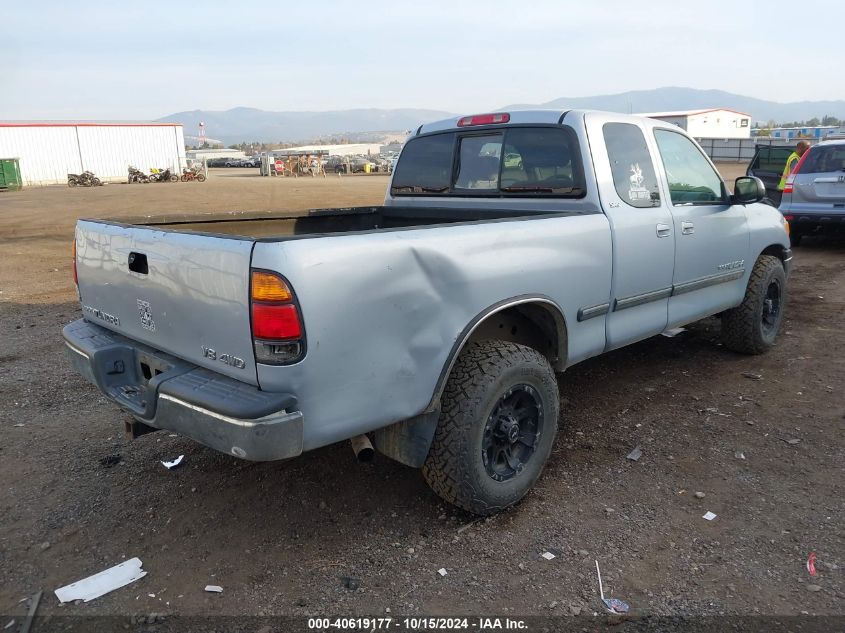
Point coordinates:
pixel 277 332
pixel 788 186
pixel 484 119
pixel 75 273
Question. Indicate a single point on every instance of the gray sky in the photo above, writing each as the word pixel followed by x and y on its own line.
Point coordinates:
pixel 144 60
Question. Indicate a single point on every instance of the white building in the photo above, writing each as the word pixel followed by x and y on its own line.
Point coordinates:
pixel 210 154
pixel 50 150
pixel 351 149
pixel 719 123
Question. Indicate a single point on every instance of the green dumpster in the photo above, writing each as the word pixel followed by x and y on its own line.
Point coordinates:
pixel 10 174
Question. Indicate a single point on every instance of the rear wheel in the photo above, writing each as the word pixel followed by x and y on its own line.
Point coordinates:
pixel 496 429
pixel 752 327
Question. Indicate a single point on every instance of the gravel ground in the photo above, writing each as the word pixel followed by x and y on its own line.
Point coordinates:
pixel 755 440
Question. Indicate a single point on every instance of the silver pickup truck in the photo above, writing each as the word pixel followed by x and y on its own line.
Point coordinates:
pixel 510 246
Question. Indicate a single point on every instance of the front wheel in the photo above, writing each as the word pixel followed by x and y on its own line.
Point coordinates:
pixel 496 429
pixel 72 183
pixel 201 177
pixel 752 327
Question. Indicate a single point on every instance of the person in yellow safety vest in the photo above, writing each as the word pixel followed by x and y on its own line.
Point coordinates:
pixel 792 161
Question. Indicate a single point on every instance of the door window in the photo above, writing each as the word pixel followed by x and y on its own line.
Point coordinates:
pixel 692 180
pixel 631 166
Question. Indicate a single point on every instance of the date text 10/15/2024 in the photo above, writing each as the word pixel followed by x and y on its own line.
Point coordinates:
pixel 481 624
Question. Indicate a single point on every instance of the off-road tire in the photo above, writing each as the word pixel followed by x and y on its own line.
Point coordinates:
pixel 200 177
pixel 743 328
pixel 483 374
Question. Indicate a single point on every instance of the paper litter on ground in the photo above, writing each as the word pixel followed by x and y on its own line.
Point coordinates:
pixel 214 588
pixel 174 463
pixel 102 583
pixel 673 332
pixel 547 555
pixel 709 516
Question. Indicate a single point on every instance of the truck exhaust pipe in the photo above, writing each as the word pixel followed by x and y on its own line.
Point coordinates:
pixel 362 448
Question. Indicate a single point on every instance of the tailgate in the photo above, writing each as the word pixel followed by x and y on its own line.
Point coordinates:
pixel 182 293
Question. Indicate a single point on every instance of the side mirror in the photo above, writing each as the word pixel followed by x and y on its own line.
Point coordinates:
pixel 748 189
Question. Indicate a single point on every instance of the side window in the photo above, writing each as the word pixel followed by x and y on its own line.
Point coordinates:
pixel 478 162
pixel 691 178
pixel 426 166
pixel 630 164
pixel 760 158
pixel 776 159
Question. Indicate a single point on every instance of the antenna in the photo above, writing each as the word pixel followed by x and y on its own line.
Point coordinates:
pixel 202 140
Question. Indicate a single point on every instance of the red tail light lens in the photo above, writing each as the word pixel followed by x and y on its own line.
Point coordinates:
pixel 484 119
pixel 275 322
pixel 277 332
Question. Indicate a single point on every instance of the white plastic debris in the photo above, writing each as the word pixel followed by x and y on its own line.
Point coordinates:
pixel 442 571
pixel 18 425
pixel 10 624
pixel 174 463
pixel 709 516
pixel 635 454
pixel 102 583
pixel 214 588
pixel 547 555
pixel 673 332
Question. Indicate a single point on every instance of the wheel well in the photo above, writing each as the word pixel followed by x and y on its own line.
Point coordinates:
pixel 777 250
pixel 536 325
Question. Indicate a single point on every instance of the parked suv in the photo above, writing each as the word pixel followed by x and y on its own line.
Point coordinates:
pixel 768 164
pixel 814 196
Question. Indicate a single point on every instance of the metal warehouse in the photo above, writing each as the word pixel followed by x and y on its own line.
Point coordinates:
pixel 49 151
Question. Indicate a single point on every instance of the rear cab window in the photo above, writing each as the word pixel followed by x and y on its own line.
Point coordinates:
pixel 494 162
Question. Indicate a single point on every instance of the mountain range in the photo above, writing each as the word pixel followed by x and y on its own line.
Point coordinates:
pixel 251 124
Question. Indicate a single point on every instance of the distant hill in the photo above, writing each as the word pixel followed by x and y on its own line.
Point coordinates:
pixel 250 124
pixel 670 99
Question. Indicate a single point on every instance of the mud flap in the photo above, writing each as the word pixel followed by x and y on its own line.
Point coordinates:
pixel 408 441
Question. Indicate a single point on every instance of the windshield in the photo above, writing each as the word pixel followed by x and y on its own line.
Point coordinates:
pixel 499 162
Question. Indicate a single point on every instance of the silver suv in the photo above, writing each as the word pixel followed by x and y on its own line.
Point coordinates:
pixel 814 196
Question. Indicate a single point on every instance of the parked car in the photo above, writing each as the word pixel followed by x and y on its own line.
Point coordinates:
pixel 814 196
pixel 768 164
pixel 432 325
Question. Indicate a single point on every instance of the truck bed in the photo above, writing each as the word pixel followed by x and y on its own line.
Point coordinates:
pixel 257 225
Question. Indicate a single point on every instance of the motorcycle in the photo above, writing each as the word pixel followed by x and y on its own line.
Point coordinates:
pixel 159 175
pixel 85 179
pixel 192 174
pixel 136 175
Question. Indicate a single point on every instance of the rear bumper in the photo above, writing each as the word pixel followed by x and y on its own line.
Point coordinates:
pixel 819 222
pixel 165 392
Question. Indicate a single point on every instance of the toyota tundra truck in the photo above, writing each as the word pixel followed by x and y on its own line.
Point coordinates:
pixel 510 246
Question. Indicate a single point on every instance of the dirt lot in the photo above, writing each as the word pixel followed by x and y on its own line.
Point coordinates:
pixel 761 437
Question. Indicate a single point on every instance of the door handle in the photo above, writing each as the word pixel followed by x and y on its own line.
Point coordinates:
pixel 687 228
pixel 663 230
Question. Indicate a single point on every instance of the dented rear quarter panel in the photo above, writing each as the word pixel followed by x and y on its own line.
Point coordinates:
pixel 384 310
